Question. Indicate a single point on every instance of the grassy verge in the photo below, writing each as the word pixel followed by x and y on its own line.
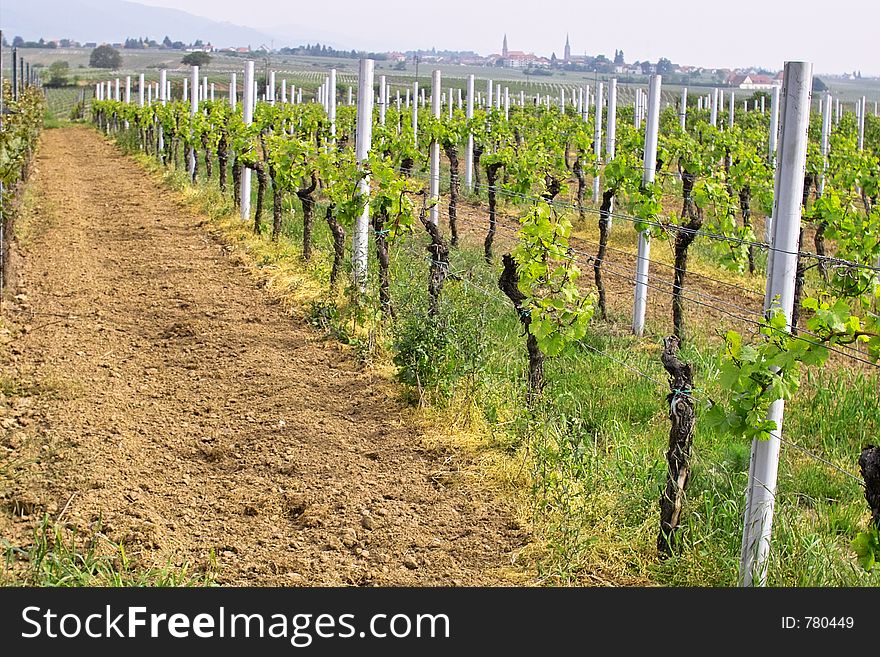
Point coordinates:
pixel 58 556
pixel 585 466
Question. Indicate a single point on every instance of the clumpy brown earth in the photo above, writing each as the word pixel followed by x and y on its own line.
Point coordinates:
pixel 163 397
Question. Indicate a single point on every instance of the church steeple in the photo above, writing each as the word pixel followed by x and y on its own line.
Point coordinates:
pixel 504 47
pixel 567 51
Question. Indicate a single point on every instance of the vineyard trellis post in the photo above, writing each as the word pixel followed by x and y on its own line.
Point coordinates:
pixel 597 141
pixel 141 90
pixel 788 193
pixel 331 103
pixel 682 111
pixel 233 91
pixel 469 153
pixel 826 134
pixel 383 99
pixel 364 134
pixel 773 142
pixel 610 132
pixel 193 109
pixel 732 110
pixel 415 111
pixel 248 118
pixel 650 166
pixel 713 113
pixel 163 98
pixel 14 74
pixel 862 112
pixel 435 149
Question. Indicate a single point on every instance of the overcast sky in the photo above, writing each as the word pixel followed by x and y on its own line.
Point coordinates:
pixel 836 37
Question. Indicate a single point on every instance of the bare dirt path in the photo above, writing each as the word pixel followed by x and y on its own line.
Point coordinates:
pixel 191 415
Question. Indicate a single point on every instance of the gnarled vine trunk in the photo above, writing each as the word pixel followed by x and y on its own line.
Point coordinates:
pixel 578 170
pixel 379 221
pixel 260 169
pixel 681 437
pixel 451 151
pixel 236 184
pixel 439 270
pixel 222 160
pixel 304 194
pixel 491 177
pixel 683 240
pixel 508 283
pixel 209 158
pixel 745 206
pixel 478 153
pixel 338 233
pixel 604 216
pixel 277 205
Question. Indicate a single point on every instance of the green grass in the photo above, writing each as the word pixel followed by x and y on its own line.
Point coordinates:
pixel 59 557
pixel 590 456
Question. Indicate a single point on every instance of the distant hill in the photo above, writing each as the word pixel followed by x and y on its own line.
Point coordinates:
pixel 110 21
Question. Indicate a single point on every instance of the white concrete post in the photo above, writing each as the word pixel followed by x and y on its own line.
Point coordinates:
pixel 435 149
pixel 682 111
pixel 732 105
pixel 193 108
pixel 141 90
pixel 713 117
pixel 862 112
pixel 415 113
pixel 781 269
pixel 360 238
pixel 248 102
pixel 650 164
pixel 469 153
pixel 597 139
pixel 331 103
pixel 233 91
pixel 383 99
pixel 826 134
pixel 610 129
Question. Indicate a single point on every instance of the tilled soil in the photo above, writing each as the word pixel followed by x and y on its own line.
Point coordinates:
pixel 169 402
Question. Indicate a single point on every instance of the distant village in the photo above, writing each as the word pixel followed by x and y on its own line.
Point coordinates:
pixel 528 62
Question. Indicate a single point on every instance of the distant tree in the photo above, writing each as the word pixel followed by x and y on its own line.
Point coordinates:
pixel 819 86
pixel 58 74
pixel 17 42
pixel 400 66
pixel 196 59
pixel 198 43
pixel 664 66
pixel 618 58
pixel 553 60
pixel 105 57
pixel 646 67
pixel 166 42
